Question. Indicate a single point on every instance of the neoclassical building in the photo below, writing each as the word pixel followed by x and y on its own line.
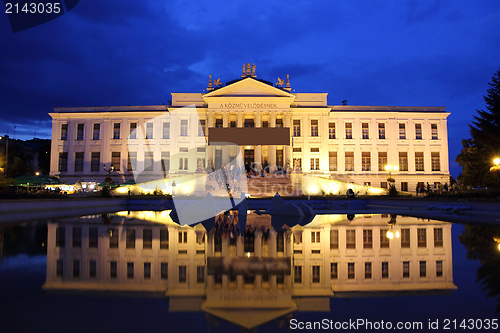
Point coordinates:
pixel 268 124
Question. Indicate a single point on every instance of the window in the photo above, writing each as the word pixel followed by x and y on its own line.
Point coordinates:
pixel 435 161
pixel 92 268
pixel 418 131
pixel 382 160
pixel 64 132
pixel 147 239
pixel 367 239
pixel 349 161
pixel 297 163
pixel 279 122
pixel 381 131
pixel 439 268
pixel 406 269
pixel 402 131
pixel 182 274
pixel 200 163
pixel 315 236
pixel 364 131
pixel 166 130
pixel 182 237
pixel 59 267
pixel 350 270
pixel 113 269
pixel 315 163
pixel 78 161
pixel 76 268
pixel 419 161
pixel 384 241
pixel 438 237
pixel 77 237
pixel 165 161
pixel 297 274
pixel 148 161
pixel 404 186
pixel 383 184
pixel 164 270
pixel 149 130
pixel 332 160
pixel 423 269
pixel 93 237
pixel 249 122
pixel 133 132
pixel 130 270
pixel 334 239
pixel 434 131
pixel 405 238
pixel 147 270
pixel 314 127
pixel 315 150
pixel 183 163
pixel 95 161
pixel 315 274
pixel 348 130
pixel 403 161
pixel 296 127
pixel 280 241
pixel 163 238
pixel 132 161
pixel 60 236
pixel 368 270
pixel 63 161
pixel 334 270
pixel 116 160
pixel 385 270
pixel 116 131
pixel 350 239
pixel 422 237
pixel 366 161
pixel 331 130
pixel 130 234
pixel 265 123
pixel 96 134
pixel 201 128
pixel 80 131
pixel 200 274
pixel 183 149
pixel 218 122
pixel 113 238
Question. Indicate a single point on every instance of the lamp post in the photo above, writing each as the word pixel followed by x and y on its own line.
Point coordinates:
pixel 390 168
pixel 110 170
pixel 6 137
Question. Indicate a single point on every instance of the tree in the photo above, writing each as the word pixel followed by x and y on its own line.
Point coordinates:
pixel 478 152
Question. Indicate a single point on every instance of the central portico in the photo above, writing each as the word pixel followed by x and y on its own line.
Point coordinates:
pixel 254 115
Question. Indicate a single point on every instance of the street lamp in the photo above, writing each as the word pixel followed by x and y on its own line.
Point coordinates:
pixel 390 168
pixel 110 170
pixel 6 137
pixel 391 233
pixel 495 169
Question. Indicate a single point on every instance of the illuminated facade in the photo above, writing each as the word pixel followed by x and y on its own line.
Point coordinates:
pixel 330 257
pixel 270 125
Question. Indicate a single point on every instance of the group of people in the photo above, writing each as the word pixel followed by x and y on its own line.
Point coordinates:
pixel 422 189
pixel 226 225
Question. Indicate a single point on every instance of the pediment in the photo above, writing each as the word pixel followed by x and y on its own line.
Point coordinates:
pixel 248 87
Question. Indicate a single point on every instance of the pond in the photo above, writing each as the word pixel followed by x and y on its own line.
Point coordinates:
pixel 139 270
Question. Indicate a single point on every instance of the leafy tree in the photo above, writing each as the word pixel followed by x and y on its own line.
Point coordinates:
pixel 478 152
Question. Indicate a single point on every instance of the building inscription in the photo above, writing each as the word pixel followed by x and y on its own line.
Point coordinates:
pixel 248 106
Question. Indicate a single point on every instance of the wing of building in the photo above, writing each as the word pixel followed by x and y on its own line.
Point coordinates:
pixel 268 124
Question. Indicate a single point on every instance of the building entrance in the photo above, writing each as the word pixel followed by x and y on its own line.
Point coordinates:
pixel 249 158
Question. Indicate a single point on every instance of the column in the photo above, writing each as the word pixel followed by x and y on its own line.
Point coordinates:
pixel 272 148
pixel 210 122
pixel 239 253
pixel 272 252
pixel 258 254
pixel 225 124
pixel 288 149
pixel 240 115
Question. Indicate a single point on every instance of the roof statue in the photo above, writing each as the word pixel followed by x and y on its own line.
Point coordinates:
pixel 217 83
pixel 248 71
pixel 280 82
pixel 210 87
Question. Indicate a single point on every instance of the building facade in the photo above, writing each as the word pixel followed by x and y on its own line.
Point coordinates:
pixel 268 124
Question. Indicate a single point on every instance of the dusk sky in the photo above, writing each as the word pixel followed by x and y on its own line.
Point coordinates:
pixel 401 53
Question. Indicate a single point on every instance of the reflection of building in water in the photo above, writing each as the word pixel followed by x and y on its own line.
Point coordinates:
pixel 330 257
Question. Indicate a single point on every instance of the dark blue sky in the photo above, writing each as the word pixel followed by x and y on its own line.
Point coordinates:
pixel 405 53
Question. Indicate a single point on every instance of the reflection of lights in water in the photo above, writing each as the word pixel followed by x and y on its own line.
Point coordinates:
pixel 249 211
pixel 248 254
